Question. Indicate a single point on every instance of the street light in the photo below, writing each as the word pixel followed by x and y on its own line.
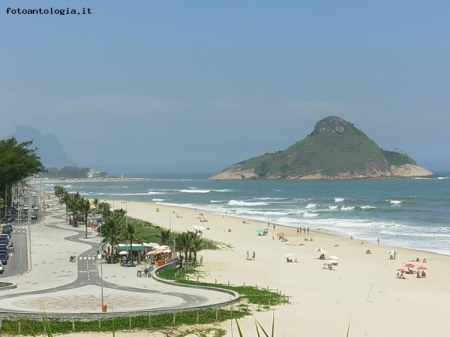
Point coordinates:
pixel 100 258
pixel 29 231
pixel 126 212
pixel 126 221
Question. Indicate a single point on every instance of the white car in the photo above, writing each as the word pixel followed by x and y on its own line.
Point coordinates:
pixel 2 269
pixel 26 207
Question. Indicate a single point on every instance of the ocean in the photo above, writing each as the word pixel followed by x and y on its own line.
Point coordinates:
pixel 408 213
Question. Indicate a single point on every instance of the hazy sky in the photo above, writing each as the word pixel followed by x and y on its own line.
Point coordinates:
pixel 195 86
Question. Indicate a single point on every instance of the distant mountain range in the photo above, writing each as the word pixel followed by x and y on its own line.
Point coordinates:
pixel 336 149
pixel 49 149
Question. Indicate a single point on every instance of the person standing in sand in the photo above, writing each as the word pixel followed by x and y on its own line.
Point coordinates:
pixel 254 256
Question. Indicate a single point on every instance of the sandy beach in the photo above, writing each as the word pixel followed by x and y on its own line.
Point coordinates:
pixel 361 290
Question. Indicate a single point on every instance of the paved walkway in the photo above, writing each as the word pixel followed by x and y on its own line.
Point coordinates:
pixel 55 285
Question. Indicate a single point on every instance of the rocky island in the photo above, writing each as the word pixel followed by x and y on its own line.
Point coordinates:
pixel 336 149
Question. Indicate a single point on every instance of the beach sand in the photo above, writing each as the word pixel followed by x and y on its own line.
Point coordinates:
pixel 362 290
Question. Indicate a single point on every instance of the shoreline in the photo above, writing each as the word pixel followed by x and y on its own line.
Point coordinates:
pixel 264 225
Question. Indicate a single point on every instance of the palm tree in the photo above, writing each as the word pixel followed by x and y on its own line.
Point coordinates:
pixel 84 206
pixel 104 208
pixel 196 244
pixel 165 236
pixel 183 244
pixel 129 234
pixel 112 230
pixel 72 200
pixel 60 192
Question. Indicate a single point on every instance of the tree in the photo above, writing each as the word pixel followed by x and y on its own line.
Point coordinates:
pixel 104 208
pixel 165 236
pixel 17 162
pixel 84 206
pixel 112 230
pixel 130 235
pixel 196 244
pixel 183 244
pixel 59 192
pixel 262 170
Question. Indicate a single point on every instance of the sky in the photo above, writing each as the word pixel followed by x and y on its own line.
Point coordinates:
pixel 196 86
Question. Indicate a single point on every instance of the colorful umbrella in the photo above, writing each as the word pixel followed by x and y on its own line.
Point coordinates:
pixel 422 268
pixel 409 265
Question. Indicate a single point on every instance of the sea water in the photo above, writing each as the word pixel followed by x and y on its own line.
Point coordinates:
pixel 409 213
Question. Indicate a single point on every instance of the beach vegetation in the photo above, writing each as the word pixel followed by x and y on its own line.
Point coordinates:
pixel 174 324
pixel 263 298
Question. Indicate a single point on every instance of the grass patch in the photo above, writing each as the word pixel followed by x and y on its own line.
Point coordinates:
pixel 157 322
pixel 254 295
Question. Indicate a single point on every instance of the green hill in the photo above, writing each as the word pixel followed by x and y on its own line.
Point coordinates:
pixel 335 149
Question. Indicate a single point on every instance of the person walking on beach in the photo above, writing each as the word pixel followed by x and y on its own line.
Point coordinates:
pixel 254 256
pixel 378 241
pixel 248 255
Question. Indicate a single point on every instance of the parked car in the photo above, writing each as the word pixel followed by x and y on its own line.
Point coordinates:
pixel 2 269
pixel 33 217
pixel 4 258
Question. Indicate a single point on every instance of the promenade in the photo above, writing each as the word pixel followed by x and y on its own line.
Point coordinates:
pixel 56 286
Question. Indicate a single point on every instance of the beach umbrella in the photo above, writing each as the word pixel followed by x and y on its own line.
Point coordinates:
pixel 332 257
pixel 392 252
pixel 149 253
pixel 167 251
pixel 422 268
pixel 401 269
pixel 289 255
pixel 409 265
pixel 321 250
pixel 123 252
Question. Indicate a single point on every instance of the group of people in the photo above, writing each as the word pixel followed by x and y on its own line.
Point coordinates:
pixel 305 230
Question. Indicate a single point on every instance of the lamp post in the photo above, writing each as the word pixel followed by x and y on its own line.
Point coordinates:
pixel 29 232
pixel 100 258
pixel 126 220
pixel 126 212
